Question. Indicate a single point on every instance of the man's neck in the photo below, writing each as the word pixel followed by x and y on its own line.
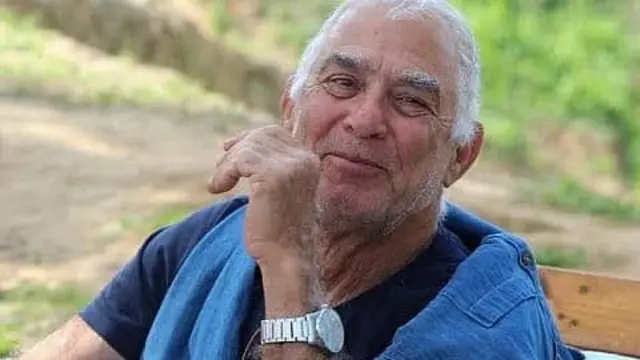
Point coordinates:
pixel 354 263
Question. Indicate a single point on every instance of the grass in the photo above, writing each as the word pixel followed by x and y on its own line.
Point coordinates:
pixel 556 256
pixel 506 143
pixel 568 194
pixel 166 216
pixel 8 339
pixel 23 308
pixel 40 62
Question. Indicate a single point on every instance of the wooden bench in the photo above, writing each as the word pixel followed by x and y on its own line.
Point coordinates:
pixel 594 311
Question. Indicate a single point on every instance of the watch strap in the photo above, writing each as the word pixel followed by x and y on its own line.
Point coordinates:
pixel 288 330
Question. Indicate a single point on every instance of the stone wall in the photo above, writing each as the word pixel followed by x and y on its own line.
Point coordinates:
pixel 156 32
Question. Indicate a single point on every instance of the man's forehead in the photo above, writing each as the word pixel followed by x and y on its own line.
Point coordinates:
pixel 401 45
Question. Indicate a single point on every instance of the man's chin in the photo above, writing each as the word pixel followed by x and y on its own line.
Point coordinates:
pixel 353 206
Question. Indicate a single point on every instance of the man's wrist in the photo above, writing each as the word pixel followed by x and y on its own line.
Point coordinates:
pixel 289 287
pixel 289 292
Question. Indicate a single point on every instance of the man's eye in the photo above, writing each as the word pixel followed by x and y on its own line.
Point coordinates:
pixel 412 106
pixel 342 87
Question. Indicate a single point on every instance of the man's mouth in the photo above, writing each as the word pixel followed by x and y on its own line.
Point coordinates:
pixel 357 160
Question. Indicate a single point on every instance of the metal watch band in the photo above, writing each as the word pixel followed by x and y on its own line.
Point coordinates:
pixel 285 330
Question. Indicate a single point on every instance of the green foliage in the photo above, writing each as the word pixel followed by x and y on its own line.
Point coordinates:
pixel 298 20
pixel 566 193
pixel 65 296
pixel 561 257
pixel 23 24
pixel 566 60
pixel 8 339
pixel 24 308
pixel 166 216
pixel 220 20
pixel 170 215
pixel 506 141
pixel 38 62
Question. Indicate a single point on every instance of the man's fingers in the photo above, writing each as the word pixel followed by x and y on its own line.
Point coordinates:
pixel 248 153
pixel 226 175
pixel 284 135
pixel 224 181
pixel 292 126
pixel 229 143
pixel 269 137
pixel 243 160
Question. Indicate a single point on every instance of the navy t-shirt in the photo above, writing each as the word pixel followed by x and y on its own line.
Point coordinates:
pixel 124 310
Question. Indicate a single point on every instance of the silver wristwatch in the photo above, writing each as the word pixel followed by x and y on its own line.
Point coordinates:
pixel 322 328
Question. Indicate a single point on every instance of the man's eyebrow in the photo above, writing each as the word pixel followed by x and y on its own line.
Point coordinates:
pixel 419 80
pixel 346 61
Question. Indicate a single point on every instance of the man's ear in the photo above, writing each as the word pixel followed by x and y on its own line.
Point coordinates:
pixel 286 104
pixel 465 155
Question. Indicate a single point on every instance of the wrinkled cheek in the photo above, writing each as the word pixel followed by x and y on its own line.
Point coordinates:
pixel 312 128
pixel 436 146
pixel 420 148
pixel 424 159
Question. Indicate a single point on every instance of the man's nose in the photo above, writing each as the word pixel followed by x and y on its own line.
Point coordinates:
pixel 368 121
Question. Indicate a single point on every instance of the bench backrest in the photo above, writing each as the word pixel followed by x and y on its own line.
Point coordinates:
pixel 593 311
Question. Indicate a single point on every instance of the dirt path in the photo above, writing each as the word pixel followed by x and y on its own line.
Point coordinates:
pixel 68 176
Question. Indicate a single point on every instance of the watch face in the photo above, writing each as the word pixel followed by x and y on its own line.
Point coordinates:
pixel 329 328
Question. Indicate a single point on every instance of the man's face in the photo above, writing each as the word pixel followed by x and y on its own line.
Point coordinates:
pixel 378 111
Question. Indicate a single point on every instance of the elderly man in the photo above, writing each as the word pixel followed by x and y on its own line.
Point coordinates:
pixel 344 247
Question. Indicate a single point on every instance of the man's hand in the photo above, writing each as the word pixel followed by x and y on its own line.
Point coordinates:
pixel 283 176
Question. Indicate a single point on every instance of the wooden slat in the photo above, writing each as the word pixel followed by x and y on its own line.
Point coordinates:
pixel 594 311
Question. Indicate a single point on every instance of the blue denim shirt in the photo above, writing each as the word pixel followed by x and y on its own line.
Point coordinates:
pixel 492 308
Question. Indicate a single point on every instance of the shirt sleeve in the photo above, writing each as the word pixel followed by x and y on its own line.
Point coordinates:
pixel 124 310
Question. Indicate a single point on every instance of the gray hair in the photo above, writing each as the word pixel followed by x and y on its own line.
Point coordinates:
pixel 468 68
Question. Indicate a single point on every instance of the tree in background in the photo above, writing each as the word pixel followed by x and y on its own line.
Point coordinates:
pixel 563 61
pixel 634 76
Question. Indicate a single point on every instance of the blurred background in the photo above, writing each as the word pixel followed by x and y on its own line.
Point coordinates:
pixel 112 114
